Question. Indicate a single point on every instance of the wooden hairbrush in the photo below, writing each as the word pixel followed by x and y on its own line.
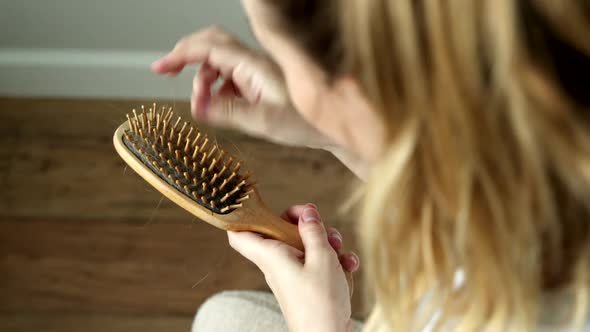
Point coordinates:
pixel 195 173
pixel 198 175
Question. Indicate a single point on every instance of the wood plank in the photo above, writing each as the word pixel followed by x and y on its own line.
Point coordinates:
pixel 114 267
pixel 92 323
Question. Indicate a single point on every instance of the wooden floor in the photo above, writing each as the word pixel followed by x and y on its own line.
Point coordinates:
pixel 85 244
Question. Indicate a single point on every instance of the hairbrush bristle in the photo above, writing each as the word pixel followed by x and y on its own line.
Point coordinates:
pixel 185 158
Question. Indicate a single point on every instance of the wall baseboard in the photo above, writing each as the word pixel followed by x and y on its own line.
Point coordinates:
pixel 87 73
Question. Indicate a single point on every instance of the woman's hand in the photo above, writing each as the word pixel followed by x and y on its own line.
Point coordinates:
pixel 252 96
pixel 310 287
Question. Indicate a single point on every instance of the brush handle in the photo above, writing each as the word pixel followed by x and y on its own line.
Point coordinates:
pixel 275 227
pixel 279 229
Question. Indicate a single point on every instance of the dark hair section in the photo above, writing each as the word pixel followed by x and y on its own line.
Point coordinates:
pixel 564 62
pixel 313 26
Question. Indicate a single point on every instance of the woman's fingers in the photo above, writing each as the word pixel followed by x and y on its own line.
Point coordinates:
pixel 293 213
pixel 335 238
pixel 250 245
pixel 350 262
pixel 229 90
pixel 315 238
pixel 261 251
pixel 213 45
pixel 192 49
pixel 202 85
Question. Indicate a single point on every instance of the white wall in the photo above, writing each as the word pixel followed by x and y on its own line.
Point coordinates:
pixel 83 48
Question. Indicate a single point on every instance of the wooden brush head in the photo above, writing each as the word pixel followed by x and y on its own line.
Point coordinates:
pixel 196 174
pixel 187 159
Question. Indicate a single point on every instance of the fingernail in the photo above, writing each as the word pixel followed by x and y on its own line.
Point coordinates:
pixel 310 215
pixel 157 63
pixel 312 205
pixel 337 236
pixel 335 242
pixel 354 259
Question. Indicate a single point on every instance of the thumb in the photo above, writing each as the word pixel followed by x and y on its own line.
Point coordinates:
pixel 249 245
pixel 313 234
pixel 263 252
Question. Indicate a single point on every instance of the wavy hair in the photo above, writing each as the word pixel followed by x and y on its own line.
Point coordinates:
pixel 480 207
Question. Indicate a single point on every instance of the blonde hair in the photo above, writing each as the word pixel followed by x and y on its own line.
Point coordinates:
pixel 487 170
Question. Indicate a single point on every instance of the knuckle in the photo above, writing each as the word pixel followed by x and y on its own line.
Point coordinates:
pixel 313 229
